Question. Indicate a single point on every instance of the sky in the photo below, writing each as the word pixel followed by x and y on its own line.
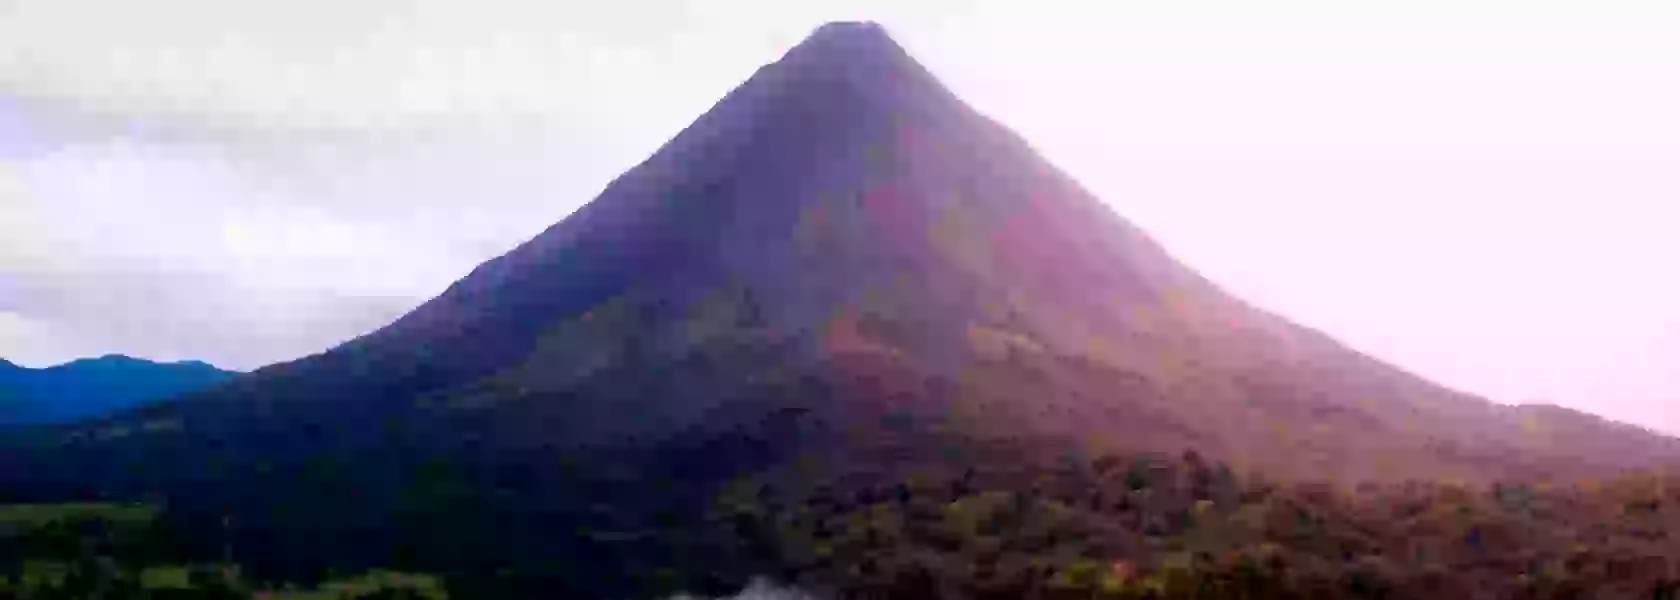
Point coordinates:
pixel 1484 193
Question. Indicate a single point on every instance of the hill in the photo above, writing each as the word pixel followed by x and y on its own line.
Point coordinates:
pixel 840 284
pixel 95 386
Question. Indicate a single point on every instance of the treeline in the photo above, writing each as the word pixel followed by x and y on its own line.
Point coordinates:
pixel 1182 527
pixel 121 552
pixel 1016 525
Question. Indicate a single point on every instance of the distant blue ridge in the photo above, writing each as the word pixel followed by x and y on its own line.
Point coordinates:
pixel 92 387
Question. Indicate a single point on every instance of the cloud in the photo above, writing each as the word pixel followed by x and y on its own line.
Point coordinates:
pixel 172 248
pixel 168 243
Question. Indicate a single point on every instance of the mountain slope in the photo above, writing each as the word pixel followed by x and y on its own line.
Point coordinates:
pixel 95 386
pixel 840 264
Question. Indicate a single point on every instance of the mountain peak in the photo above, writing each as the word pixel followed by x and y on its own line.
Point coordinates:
pixel 850 33
pixel 849 44
pixel 112 360
pixel 105 359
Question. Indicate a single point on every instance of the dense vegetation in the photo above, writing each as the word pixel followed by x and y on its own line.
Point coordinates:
pixel 846 491
pixel 1152 527
pixel 1039 526
pixel 119 552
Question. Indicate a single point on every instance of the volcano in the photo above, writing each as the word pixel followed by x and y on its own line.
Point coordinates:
pixel 840 264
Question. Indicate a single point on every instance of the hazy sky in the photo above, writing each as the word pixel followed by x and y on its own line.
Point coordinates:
pixel 1486 193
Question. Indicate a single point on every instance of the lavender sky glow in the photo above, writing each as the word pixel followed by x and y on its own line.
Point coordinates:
pixel 1484 193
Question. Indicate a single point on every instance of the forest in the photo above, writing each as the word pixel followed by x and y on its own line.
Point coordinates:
pixel 116 551
pixel 1041 525
pixel 1158 527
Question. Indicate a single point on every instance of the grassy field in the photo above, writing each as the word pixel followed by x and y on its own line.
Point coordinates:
pixel 25 516
pixel 37 572
pixel 41 572
pixel 428 587
pixel 165 578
